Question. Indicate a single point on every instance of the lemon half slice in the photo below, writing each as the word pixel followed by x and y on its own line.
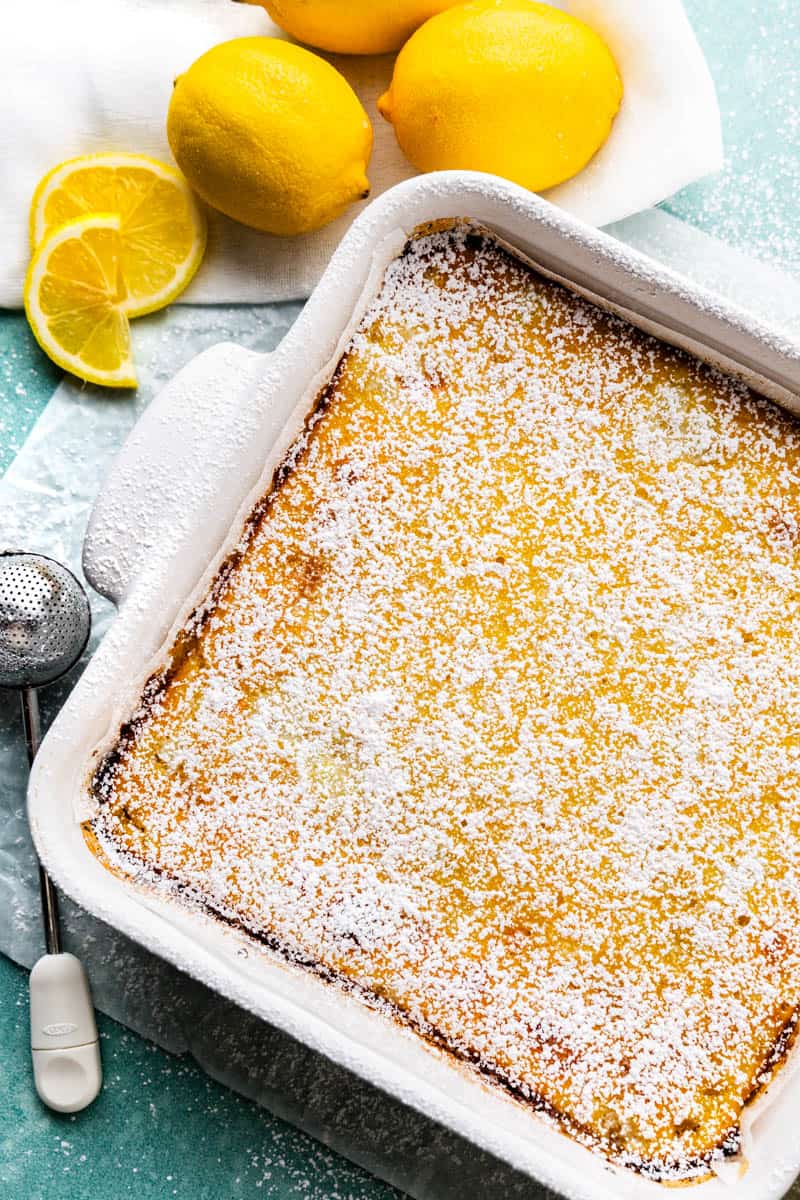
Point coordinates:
pixel 76 300
pixel 162 230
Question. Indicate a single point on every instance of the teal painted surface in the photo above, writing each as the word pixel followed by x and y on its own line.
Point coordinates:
pixel 27 380
pixel 162 1128
pixel 753 50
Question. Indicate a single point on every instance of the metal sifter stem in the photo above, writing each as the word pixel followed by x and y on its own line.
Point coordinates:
pixel 33 736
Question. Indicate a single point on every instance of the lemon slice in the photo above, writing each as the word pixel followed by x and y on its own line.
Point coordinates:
pixel 75 300
pixel 162 229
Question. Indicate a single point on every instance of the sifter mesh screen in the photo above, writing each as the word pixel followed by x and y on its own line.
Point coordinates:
pixel 44 620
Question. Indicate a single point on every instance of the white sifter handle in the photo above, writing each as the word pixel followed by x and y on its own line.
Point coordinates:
pixel 66 1051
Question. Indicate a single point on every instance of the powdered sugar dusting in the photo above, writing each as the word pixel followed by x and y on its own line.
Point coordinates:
pixel 492 717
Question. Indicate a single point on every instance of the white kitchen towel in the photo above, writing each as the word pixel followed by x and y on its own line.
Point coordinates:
pixel 93 75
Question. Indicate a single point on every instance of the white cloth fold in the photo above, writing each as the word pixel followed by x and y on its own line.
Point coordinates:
pixel 96 75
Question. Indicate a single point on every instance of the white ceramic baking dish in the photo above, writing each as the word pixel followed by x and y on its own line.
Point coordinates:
pixel 172 507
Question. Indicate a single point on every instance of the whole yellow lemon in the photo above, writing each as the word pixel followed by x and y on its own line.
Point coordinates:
pixel 270 134
pixel 352 26
pixel 513 87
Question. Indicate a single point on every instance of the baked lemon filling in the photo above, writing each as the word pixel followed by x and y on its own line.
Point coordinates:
pixel 490 717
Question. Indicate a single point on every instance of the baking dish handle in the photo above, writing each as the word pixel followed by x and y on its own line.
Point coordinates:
pixel 163 488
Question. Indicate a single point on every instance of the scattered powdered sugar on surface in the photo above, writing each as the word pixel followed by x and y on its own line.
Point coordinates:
pixel 491 718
